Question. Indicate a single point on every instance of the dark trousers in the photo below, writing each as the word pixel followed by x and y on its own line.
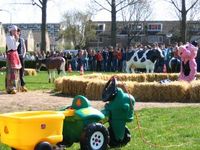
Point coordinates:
pixel 21 72
pixel 98 65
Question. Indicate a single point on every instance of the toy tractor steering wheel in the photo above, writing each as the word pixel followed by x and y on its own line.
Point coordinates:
pixel 110 90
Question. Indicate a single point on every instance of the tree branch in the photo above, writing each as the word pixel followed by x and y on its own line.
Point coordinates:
pixel 108 2
pixel 130 3
pixel 192 5
pixel 119 3
pixel 34 3
pixel 175 5
pixel 41 2
pixel 101 6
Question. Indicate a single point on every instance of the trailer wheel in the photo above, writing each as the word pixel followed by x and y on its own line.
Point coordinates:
pixel 43 146
pixel 94 137
pixel 116 143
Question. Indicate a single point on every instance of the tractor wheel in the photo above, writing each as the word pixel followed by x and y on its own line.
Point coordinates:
pixel 43 146
pixel 116 143
pixel 94 137
pixel 13 149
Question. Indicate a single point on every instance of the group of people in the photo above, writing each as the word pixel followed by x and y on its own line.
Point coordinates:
pixel 107 60
pixel 15 53
pixel 111 59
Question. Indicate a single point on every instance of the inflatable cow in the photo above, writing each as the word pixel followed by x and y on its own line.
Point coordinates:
pixel 143 59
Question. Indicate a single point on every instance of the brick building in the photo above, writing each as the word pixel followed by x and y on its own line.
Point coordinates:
pixel 145 32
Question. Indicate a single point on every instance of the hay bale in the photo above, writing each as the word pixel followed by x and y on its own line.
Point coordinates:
pixel 194 91
pixel 59 84
pixel 131 77
pixel 94 89
pixel 30 72
pixel 156 92
pixel 74 86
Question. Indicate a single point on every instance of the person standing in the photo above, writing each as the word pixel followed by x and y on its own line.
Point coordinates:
pixel 119 59
pixel 124 52
pixel 110 59
pixel 13 64
pixel 21 49
pixel 105 59
pixel 99 60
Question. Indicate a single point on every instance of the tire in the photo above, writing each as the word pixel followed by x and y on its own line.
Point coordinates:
pixel 43 146
pixel 118 143
pixel 13 149
pixel 94 137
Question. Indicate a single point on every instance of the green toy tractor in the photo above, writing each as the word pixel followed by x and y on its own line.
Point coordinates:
pixel 41 130
pixel 86 124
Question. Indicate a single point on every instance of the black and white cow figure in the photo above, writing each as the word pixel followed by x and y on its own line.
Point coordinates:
pixel 143 59
pixel 52 64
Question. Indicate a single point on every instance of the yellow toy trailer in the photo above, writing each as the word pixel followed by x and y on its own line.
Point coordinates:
pixel 31 130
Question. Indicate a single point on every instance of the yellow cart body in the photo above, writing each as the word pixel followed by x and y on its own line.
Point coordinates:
pixel 24 130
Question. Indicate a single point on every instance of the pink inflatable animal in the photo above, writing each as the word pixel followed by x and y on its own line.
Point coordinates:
pixel 188 52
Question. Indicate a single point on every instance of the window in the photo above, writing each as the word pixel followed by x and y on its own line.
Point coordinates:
pixel 155 38
pixel 100 39
pixel 194 27
pixel 154 27
pixel 136 27
pixel 101 27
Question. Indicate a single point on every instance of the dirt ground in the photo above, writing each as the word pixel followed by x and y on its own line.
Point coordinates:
pixel 45 100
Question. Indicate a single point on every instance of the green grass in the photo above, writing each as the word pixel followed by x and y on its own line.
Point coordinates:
pixel 38 82
pixel 168 128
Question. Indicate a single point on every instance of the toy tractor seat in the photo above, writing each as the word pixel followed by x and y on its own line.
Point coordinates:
pixel 83 109
pixel 110 90
pixel 80 102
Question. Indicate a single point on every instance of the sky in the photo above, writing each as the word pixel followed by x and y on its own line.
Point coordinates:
pixel 17 13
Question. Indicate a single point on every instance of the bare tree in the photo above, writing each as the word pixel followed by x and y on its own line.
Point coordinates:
pixel 133 16
pixel 78 28
pixel 113 7
pixel 183 8
pixel 43 5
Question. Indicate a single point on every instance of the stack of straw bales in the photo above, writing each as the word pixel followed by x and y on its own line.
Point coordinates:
pixel 156 92
pixel 73 86
pixel 195 91
pixel 144 87
pixel 30 72
pixel 59 84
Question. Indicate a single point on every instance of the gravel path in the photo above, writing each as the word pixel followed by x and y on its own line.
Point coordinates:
pixel 44 100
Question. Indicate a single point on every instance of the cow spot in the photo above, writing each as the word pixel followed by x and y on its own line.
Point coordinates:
pixel 129 55
pixel 135 58
pixel 152 55
pixel 140 53
pixel 143 59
